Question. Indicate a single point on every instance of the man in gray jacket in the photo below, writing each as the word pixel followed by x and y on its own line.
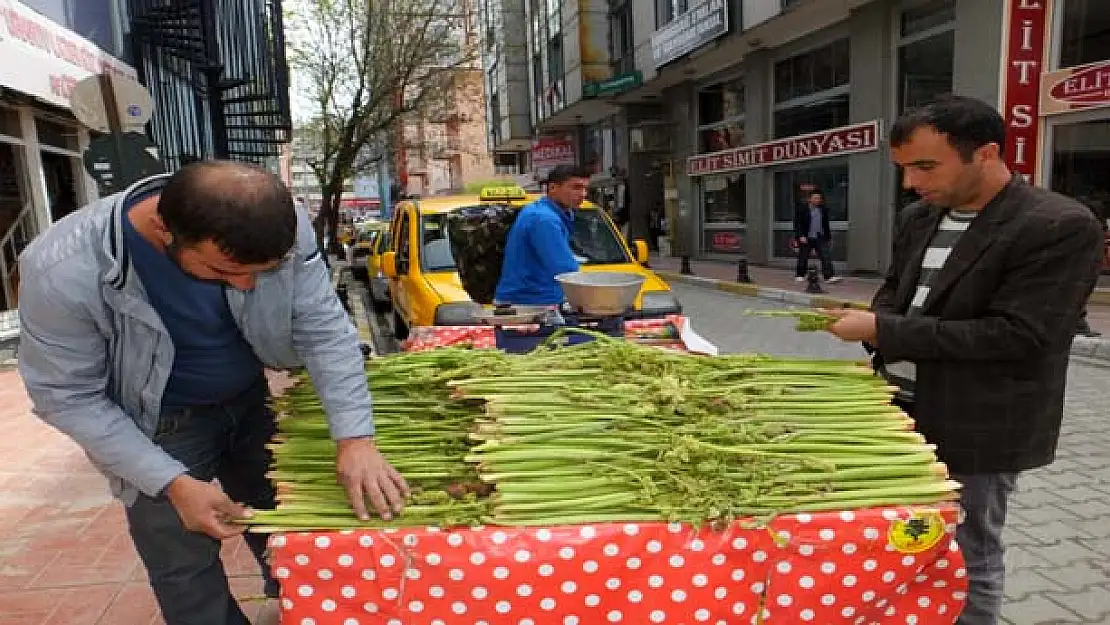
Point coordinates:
pixel 147 319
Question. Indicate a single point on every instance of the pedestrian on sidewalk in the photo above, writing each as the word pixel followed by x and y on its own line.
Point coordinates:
pixel 813 234
pixel 147 319
pixel 988 279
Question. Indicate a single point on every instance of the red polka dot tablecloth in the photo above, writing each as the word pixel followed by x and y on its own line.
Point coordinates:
pixel 870 566
pixel 663 332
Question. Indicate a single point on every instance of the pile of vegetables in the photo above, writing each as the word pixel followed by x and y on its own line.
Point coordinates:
pixel 612 431
pixel 478 235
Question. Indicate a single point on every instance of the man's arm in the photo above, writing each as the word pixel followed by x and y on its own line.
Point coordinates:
pixel 552 245
pixel 1049 282
pixel 801 230
pixel 63 361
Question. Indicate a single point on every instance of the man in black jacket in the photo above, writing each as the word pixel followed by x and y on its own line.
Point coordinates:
pixel 813 234
pixel 988 279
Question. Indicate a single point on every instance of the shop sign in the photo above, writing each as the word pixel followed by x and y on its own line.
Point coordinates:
pixel 1076 88
pixel 46 60
pixel 1023 56
pixel 688 32
pixel 614 85
pixel 725 241
pixel 835 142
pixel 549 151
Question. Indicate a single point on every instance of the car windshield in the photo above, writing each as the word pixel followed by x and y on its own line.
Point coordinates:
pixel 594 242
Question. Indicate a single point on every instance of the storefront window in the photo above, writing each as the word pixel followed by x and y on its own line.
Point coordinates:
pixel 721 116
pixel 725 199
pixel 927 16
pixel 1080 160
pixel 925 70
pixel 1086 32
pixel 811 90
pixel 792 190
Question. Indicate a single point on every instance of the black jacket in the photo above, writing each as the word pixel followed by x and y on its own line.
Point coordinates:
pixel 992 343
pixel 802 219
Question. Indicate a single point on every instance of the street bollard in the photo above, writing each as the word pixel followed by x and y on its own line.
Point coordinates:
pixel 685 270
pixel 742 275
pixel 813 281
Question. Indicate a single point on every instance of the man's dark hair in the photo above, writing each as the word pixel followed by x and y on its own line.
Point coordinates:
pixel 967 123
pixel 244 209
pixel 562 173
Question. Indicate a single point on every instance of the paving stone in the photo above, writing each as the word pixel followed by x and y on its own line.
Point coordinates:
pixel 1093 509
pixel 1024 557
pixel 1079 576
pixel 1021 583
pixel 1053 532
pixel 1046 513
pixel 1093 604
pixel 1038 610
pixel 1062 553
pixel 1080 493
pixel 1097 545
pixel 1037 497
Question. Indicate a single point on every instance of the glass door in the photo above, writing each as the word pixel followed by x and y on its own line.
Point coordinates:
pixel 1079 159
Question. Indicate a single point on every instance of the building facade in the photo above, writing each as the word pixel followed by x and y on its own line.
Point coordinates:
pixel 508 98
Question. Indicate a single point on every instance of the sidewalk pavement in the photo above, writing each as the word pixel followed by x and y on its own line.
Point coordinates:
pixel 65 555
pixel 779 285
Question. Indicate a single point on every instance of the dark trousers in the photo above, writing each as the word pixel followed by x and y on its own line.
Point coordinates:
pixel 821 247
pixel 224 442
pixel 984 498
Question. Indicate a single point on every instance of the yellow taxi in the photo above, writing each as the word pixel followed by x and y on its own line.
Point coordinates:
pixel 378 283
pixel 424 284
pixel 359 249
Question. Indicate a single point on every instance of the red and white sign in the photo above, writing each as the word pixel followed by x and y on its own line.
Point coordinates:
pixel 1023 56
pixel 1076 88
pixel 46 60
pixel 549 151
pixel 835 142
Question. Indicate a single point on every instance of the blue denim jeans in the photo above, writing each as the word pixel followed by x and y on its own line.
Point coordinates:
pixel 984 498
pixel 224 442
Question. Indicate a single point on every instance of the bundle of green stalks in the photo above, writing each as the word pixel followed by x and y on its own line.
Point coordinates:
pixel 613 431
pixel 806 320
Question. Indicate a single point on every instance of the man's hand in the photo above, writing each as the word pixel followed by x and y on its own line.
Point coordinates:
pixel 205 508
pixel 366 474
pixel 853 325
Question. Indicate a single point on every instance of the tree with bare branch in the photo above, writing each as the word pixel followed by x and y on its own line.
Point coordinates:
pixel 364 65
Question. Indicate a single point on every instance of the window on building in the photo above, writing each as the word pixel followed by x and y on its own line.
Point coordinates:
pixel 622 45
pixel 927 16
pixel 926 53
pixel 1086 32
pixel 811 90
pixel 721 116
pixel 667 10
pixel 725 199
pixel 792 189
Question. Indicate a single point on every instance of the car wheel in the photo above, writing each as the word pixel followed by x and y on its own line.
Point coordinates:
pixel 400 329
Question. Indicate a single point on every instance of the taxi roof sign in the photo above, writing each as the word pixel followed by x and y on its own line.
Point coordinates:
pixel 513 192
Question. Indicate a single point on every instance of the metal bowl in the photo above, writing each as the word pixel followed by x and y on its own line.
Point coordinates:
pixel 602 293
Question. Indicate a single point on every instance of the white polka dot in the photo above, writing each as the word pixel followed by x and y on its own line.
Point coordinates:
pixel 940 583
pixel 615 616
pixel 738 608
pixel 526 621
pixel 410 540
pixel 959 596
pixel 439 621
pixel 890 611
pixel 848 612
pixel 546 570
pixel 849 581
pixel 587 532
pixel 351 621
pixel 593 600
pixel 503 607
pixel 394 621
pixel 612 583
pixel 301 559
pixel 903 588
pixel 848 548
pixel 785 600
pixel 678 596
pixel 631 529
pixel 498 538
pixel 890 515
pixel 739 543
pixel 783 567
pixel 655 581
pixel 635 596
pixel 323 542
pixel 389 594
pixel 325 574
pixel 828 568
pixel 737 574
pixel 611 550
pixel 365 541
pixel 806 550
pixel 454 540
pixel 416 606
pixel 369 575
pixel 826 535
pixel 524 590
pixel 806 614
pixel 942 608
pixel 880 603
pixel 500 573
pixel 477 558
pixel 568 587
pixel 654 546
pixel 370 607
pixel 348 592
pixel 458 607
pixel 720 592
pixel 589 566
pixel 701 615
pixel 479 592
pixel 570 619
pixel 806 582
pixel 827 600
pixel 456 574
pixel 718 559
pixel 674 527
pixel 632 563
pixel 566 553
pixel 757 587
pixel 387 560
pixel 657 616
pixel 676 561
pixel 433 559
pixel 308 620
pixel 923 602
pixel 870 565
pixel 277 541
pixel 760 556
pixel 868 596
pixel 871 533
pixel 847 516
pixel 522 555
pixel 700 580
pixel 436 592
pixel 960 573
pixel 412 574
pixel 911 619
pixel 888 576
pixel 305 590
pixel 543 535
pixel 281 572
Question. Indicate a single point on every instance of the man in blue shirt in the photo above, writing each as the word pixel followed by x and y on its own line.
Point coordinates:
pixel 538 245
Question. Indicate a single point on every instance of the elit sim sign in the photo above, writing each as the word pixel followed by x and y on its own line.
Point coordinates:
pixel 835 142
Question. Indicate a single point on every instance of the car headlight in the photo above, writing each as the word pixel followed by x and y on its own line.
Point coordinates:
pixel 660 303
pixel 457 314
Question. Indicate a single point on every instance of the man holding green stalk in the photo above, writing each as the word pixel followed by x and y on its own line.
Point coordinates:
pixel 146 320
pixel 979 306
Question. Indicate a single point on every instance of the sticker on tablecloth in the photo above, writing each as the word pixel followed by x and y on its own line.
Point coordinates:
pixel 920 532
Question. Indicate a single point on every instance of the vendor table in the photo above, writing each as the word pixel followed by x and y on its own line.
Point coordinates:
pixel 890 565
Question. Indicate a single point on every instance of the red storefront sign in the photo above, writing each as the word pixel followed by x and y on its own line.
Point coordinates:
pixel 835 142
pixel 547 152
pixel 1076 88
pixel 1024 59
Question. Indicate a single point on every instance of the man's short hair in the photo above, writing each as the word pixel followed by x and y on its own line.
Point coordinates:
pixel 563 173
pixel 244 209
pixel 967 123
